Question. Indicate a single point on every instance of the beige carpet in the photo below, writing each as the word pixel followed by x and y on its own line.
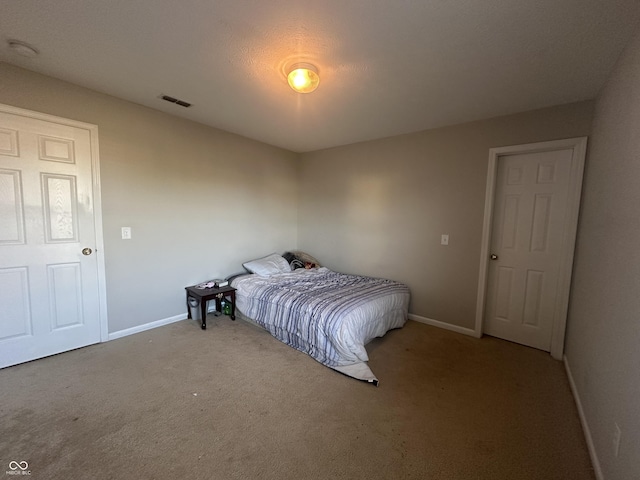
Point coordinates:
pixel 232 402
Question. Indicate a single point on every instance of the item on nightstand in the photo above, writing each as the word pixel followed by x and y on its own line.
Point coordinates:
pixel 226 307
pixel 217 283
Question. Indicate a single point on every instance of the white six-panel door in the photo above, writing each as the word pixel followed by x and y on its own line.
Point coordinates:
pixel 49 289
pixel 533 195
pixel 530 211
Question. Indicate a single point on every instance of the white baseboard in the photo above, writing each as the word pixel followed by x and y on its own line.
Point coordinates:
pixel 439 324
pixel 147 326
pixel 159 323
pixel 585 426
pixel 166 321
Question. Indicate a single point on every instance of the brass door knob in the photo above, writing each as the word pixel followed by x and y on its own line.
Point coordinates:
pixel 87 251
pixel 493 256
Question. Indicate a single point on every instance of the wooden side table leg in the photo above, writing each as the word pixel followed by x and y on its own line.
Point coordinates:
pixel 232 296
pixel 188 308
pixel 203 310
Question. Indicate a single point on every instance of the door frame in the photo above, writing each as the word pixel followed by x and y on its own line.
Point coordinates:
pixel 579 147
pixel 97 201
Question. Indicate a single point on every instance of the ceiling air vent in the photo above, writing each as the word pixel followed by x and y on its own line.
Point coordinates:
pixel 182 103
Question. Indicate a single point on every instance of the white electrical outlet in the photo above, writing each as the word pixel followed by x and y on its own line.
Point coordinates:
pixel 444 239
pixel 126 233
pixel 617 435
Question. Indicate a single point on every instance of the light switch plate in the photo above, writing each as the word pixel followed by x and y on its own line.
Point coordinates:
pixel 126 233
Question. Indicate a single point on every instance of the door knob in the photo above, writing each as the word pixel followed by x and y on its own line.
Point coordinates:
pixel 86 251
pixel 493 256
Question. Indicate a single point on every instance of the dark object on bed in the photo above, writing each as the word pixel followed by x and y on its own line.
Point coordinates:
pixel 289 257
pixel 299 259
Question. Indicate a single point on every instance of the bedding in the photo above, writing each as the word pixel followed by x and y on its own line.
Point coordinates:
pixel 268 265
pixel 328 315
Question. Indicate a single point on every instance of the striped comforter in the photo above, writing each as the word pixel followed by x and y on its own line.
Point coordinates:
pixel 328 315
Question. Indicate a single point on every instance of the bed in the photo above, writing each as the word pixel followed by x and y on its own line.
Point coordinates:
pixel 330 316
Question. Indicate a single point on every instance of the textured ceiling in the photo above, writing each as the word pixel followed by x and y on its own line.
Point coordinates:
pixel 386 67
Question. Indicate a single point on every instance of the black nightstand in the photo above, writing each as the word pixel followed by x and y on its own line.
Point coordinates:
pixel 202 295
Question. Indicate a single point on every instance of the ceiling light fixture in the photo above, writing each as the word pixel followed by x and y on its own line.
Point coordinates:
pixel 22 48
pixel 303 77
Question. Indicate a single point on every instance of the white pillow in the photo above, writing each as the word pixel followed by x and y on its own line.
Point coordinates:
pixel 268 265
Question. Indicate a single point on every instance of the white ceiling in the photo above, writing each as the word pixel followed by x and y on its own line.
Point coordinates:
pixel 387 67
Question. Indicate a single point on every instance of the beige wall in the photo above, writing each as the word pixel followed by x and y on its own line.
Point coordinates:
pixel 200 201
pixel 603 336
pixel 378 208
